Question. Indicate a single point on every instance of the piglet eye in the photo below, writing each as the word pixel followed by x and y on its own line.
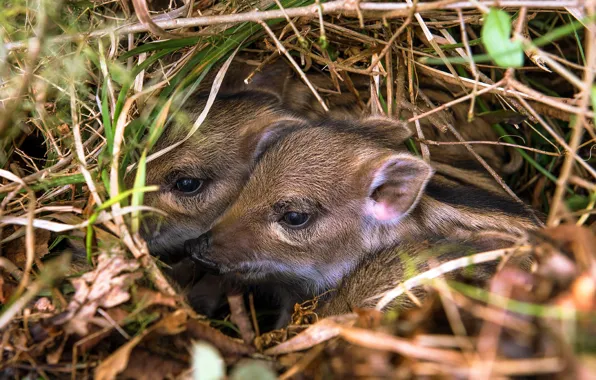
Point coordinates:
pixel 295 219
pixel 189 186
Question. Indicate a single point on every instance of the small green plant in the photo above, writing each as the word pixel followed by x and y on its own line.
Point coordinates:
pixel 496 37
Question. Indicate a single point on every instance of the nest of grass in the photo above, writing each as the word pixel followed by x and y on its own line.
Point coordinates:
pixel 80 78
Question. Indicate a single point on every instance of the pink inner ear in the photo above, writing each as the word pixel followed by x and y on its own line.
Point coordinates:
pixel 382 212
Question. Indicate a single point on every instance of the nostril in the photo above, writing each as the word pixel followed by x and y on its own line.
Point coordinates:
pixel 198 250
pixel 205 240
pixel 199 245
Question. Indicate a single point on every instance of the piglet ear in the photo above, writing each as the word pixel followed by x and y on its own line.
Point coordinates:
pixel 397 184
pixel 257 139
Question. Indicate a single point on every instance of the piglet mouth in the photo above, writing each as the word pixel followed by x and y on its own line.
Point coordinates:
pixel 207 265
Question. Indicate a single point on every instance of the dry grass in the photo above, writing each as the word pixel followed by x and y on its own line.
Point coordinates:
pixel 82 85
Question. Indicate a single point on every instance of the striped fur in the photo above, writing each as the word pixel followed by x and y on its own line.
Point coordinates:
pixel 216 153
pixel 332 170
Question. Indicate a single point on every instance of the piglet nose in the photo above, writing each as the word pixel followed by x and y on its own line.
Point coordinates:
pixel 198 250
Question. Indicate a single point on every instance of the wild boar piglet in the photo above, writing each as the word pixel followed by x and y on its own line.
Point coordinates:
pixel 324 198
pixel 200 178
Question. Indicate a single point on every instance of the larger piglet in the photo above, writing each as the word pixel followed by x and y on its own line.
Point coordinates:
pixel 326 199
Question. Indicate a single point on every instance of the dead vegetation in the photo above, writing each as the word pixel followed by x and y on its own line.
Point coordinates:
pixel 84 86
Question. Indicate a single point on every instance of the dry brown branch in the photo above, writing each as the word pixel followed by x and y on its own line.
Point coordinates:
pixel 239 316
pixel 142 12
pixel 283 50
pixel 578 125
pixel 303 362
pixel 332 7
pixel 382 341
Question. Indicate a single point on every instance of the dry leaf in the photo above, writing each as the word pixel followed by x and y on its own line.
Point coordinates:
pixel 144 365
pixel 16 250
pixel 118 361
pixel 44 305
pixel 106 286
pixel 320 332
pixel 148 297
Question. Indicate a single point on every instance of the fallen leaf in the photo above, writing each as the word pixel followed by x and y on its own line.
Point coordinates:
pixel 226 345
pixel 320 332
pixel 144 365
pixel 118 361
pixel 106 286
pixel 16 250
pixel 147 297
pixel 44 305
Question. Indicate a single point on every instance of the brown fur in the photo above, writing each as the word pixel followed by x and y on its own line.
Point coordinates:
pixel 388 268
pixel 216 154
pixel 221 152
pixel 241 109
pixel 348 105
pixel 365 193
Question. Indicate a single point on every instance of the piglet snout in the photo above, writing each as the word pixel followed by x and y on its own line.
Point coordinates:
pixel 198 250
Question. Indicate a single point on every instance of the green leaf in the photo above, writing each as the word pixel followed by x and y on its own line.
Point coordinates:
pixel 496 37
pixel 119 73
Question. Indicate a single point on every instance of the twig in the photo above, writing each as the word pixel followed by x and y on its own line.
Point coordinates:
pixel 292 25
pixel 12 269
pixel 455 101
pixel 240 317
pixel 63 227
pixel 522 90
pixel 332 7
pixel 76 131
pixel 253 314
pixel 437 143
pixel 430 38
pixel 582 182
pixel 53 271
pixel 423 147
pixel 578 125
pixel 440 270
pixel 383 341
pixel 391 41
pixel 302 363
pixel 282 48
pixel 557 137
pixel 29 234
pixel 142 12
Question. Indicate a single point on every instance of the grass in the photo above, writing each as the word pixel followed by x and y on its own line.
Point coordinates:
pixel 76 112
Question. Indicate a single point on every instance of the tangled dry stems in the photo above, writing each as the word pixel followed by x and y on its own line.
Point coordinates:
pixel 375 36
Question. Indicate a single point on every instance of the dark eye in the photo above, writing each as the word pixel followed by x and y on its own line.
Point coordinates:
pixel 295 219
pixel 189 185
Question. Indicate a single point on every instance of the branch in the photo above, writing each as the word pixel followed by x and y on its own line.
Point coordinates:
pixel 332 7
